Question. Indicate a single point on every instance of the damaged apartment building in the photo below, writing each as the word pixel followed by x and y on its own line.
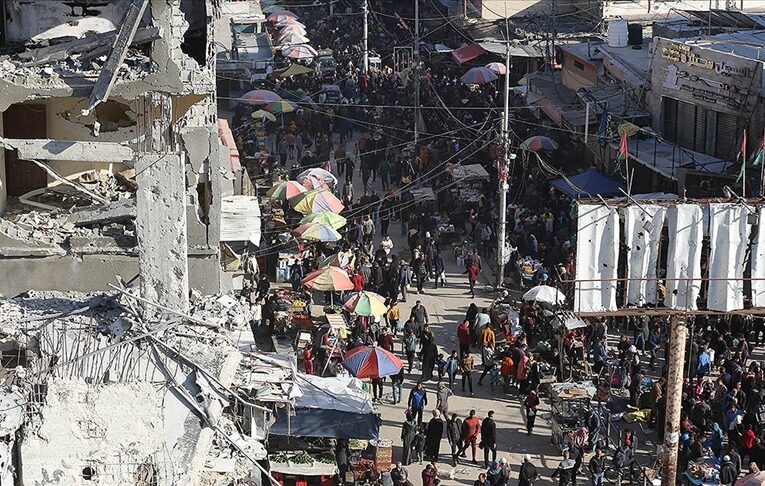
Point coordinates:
pixel 113 161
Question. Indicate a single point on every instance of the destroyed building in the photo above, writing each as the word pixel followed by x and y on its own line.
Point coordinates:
pixel 112 162
pixel 94 395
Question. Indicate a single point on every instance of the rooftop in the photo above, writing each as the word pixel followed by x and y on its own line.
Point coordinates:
pixel 745 43
pixel 632 63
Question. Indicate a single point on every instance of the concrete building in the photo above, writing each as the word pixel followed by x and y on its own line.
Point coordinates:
pixel 113 164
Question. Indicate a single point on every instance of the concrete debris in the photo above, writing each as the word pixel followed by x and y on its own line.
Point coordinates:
pixel 118 211
pixel 12 404
pixel 223 310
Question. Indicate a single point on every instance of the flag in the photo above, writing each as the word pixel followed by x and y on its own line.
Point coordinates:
pixel 623 152
pixel 759 156
pixel 401 22
pixel 742 155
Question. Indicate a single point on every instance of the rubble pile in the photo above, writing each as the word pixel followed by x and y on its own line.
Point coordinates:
pixel 224 310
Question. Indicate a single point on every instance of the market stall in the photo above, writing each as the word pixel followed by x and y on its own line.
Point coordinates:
pixel 570 410
pixel 300 468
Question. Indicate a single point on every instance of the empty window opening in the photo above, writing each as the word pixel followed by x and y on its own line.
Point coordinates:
pixel 194 42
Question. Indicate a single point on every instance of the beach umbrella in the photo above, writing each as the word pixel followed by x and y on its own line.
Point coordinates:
pixel 302 51
pixel 339 260
pixel 281 16
pixel 539 143
pixel 315 201
pixel 479 75
pixel 314 183
pixel 497 67
pixel 292 38
pixel 285 190
pixel 293 28
pixel 545 293
pixel 316 232
pixel 371 362
pixel 281 106
pixel 290 21
pixel 259 97
pixel 325 217
pixel 319 173
pixel 327 279
pixel 366 304
pixel 263 115
pixel 294 70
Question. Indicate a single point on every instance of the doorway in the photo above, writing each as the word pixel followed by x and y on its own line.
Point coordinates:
pixel 24 121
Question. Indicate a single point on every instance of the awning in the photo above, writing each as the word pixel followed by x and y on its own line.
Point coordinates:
pixel 588 184
pixel 312 422
pixel 467 53
pixel 469 172
pixel 240 219
pixel 225 135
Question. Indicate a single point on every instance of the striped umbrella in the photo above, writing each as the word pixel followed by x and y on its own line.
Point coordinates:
pixel 281 16
pixel 292 28
pixel 289 21
pixel 259 97
pixel 263 115
pixel 479 75
pixel 366 304
pixel 315 201
pixel 302 51
pixel 339 260
pixel 292 38
pixel 538 143
pixel 325 217
pixel 327 279
pixel 497 67
pixel 372 362
pixel 286 190
pixel 281 106
pixel 316 232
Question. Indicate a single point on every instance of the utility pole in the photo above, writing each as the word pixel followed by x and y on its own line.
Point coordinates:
pixel 365 62
pixel 675 358
pixel 416 73
pixel 504 172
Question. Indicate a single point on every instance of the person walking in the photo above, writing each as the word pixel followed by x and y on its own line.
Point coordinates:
pixel 527 473
pixel 531 404
pixel 442 398
pixel 466 366
pixel 471 427
pixel 405 279
pixel 452 367
pixel 408 433
pixel 429 353
pixel 487 360
pixel 463 336
pixel 565 469
pixel 420 316
pixel 597 467
pixel 454 435
pixel 439 269
pixel 489 438
pixel 418 399
pixel 472 274
pixel 433 436
pixel 397 383
pixel 410 348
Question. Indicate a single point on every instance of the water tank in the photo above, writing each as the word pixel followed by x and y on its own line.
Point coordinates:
pixel 635 34
pixel 617 33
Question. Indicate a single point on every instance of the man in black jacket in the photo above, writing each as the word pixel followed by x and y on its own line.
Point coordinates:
pixel 489 438
pixel 454 434
pixel 528 472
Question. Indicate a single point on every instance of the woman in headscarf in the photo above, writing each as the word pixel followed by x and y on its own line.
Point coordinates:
pixel 433 435
pixel 495 475
pixel 408 431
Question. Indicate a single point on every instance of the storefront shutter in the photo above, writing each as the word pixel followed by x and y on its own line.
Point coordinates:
pixel 727 136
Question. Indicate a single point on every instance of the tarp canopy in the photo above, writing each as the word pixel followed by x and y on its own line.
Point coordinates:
pixel 240 219
pixel 588 184
pixel 330 407
pixel 467 53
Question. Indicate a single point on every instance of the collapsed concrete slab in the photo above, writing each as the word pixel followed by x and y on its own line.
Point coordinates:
pixel 116 211
pixel 69 150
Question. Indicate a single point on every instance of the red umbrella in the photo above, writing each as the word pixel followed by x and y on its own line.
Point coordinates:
pixel 372 362
pixel 281 16
pixel 497 67
pixel 327 279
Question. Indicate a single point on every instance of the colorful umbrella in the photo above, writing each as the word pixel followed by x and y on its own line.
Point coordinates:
pixel 294 70
pixel 538 143
pixel 286 190
pixel 263 115
pixel 316 232
pixel 479 75
pixel 292 28
pixel 302 51
pixel 315 201
pixel 327 279
pixel 273 8
pixel 339 260
pixel 292 39
pixel 281 106
pixel 372 362
pixel 313 182
pixel 325 217
pixel 259 97
pixel 319 173
pixel 366 304
pixel 497 67
pixel 290 21
pixel 277 17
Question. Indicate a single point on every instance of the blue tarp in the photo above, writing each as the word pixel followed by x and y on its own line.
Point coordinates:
pixel 589 183
pixel 312 422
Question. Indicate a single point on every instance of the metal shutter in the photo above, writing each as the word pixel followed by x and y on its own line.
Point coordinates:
pixel 727 136
pixel 686 124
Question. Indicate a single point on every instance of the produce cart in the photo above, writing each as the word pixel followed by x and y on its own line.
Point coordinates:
pixel 570 407
pixel 303 469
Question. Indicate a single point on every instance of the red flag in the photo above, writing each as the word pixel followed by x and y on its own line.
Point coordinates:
pixel 401 22
pixel 742 152
pixel 623 152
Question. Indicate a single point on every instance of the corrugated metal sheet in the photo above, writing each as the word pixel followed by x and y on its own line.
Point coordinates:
pixel 240 219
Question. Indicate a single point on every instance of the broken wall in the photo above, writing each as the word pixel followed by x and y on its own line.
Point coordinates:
pixel 3 187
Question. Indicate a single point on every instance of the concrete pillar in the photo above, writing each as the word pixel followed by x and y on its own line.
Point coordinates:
pixel 675 364
pixel 161 230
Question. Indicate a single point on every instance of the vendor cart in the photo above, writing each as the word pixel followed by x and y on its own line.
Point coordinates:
pixel 570 407
pixel 303 469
